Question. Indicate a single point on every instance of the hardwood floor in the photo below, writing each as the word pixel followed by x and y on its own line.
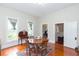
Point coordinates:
pixel 57 50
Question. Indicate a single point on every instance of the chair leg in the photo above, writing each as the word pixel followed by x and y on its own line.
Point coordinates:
pixel 21 41
pixel 29 52
pixel 18 41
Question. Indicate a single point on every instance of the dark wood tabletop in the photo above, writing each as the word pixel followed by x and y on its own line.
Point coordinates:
pixel 37 41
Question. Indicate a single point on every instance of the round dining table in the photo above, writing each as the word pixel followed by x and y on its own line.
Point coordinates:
pixel 37 43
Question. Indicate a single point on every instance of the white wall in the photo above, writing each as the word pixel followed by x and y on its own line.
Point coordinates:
pixel 70 13
pixel 70 33
pixel 23 18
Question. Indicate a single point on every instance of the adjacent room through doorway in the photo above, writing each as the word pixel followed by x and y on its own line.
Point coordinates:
pixel 59 33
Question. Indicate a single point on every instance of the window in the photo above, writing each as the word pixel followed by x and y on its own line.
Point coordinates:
pixel 12 29
pixel 30 28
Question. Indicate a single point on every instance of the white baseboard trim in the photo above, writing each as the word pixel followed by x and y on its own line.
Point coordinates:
pixel 13 43
pixel 9 44
pixel 69 46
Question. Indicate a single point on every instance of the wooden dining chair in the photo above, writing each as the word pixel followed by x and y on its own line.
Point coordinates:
pixel 43 48
pixel 22 35
pixel 30 48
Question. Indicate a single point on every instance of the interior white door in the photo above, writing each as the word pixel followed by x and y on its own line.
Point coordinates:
pixel 70 34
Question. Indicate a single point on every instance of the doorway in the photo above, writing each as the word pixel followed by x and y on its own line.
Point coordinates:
pixel 44 30
pixel 59 33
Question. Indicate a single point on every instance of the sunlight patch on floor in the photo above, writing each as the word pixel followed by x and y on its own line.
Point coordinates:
pixel 13 53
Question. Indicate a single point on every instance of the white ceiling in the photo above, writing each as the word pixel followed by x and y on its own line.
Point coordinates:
pixel 37 9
